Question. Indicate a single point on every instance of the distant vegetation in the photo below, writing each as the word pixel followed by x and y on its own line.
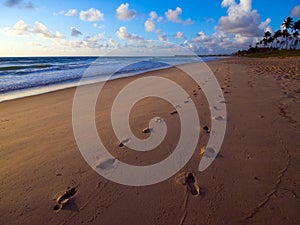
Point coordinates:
pixel 284 42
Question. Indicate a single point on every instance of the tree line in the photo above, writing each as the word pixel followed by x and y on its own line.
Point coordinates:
pixel 285 38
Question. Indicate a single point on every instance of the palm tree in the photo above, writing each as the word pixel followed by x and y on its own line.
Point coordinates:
pixel 266 38
pixel 277 35
pixel 296 29
pixel 287 23
pixel 286 35
pixel 295 39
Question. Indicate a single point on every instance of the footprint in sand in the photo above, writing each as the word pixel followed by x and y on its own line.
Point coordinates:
pixel 209 152
pixel 159 120
pixel 63 199
pixel 219 118
pixel 192 184
pixel 147 130
pixel 106 164
pixel 206 128
pixel 123 142
pixel 189 180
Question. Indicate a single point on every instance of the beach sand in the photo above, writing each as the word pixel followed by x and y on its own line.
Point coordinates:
pixel 254 180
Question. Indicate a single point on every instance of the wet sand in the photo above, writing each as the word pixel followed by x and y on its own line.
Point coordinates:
pixel 254 179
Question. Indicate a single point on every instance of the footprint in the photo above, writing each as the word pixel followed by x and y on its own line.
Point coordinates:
pixel 218 118
pixel 106 164
pixel 123 142
pixel 206 128
pixel 209 152
pixel 189 180
pixel 159 120
pixel 192 184
pixel 63 199
pixel 147 130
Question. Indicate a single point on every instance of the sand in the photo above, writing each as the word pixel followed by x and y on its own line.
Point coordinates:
pixel 254 179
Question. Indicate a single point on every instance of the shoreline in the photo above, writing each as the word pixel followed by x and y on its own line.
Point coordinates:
pixel 253 180
pixel 15 94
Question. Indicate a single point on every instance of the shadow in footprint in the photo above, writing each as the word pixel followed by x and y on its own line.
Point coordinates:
pixel 192 184
pixel 63 199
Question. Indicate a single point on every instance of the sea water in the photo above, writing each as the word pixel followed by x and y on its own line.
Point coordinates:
pixel 26 76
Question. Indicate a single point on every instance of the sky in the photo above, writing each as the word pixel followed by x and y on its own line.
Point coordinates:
pixel 96 27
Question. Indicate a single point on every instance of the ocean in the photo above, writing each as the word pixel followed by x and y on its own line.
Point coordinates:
pixel 26 76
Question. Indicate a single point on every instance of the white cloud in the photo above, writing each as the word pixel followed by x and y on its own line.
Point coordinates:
pixel 296 11
pixel 124 13
pixel 113 43
pixel 43 31
pixel 98 26
pixel 201 37
pixel 153 15
pixel 122 33
pixel 179 35
pixel 188 21
pixel 241 19
pixel 159 19
pixel 21 27
pixel 87 42
pixel 72 12
pixel 75 32
pixel 162 37
pixel 173 15
pixel 91 15
pixel 149 25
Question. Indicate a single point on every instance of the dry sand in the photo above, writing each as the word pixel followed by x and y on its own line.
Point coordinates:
pixel 254 180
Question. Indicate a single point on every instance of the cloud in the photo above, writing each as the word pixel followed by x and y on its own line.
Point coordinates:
pixel 21 28
pixel 113 43
pixel 29 5
pixel 150 25
pixel 17 3
pixel 122 33
pixel 162 37
pixel 90 42
pixel 91 15
pixel 43 31
pixel 75 32
pixel 12 3
pixel 209 20
pixel 98 26
pixel 296 11
pixel 124 13
pixel 241 19
pixel 173 15
pixel 188 21
pixel 201 37
pixel 153 15
pixel 72 12
pixel 179 35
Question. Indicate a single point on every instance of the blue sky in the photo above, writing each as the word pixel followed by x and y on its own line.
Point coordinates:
pixel 93 27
